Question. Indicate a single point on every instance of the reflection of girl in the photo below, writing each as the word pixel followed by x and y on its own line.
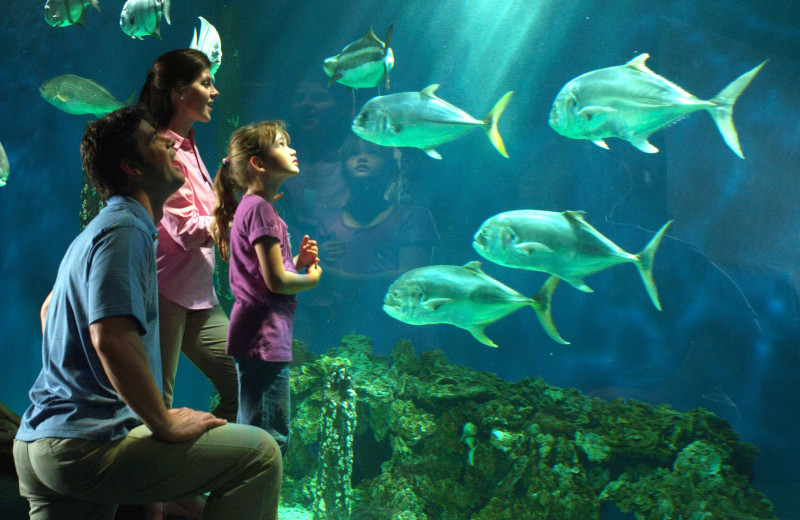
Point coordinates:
pixel 263 274
pixel 366 245
pixel 179 91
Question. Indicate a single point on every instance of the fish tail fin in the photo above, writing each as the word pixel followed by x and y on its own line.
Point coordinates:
pixel 644 264
pixel 490 123
pixel 722 111
pixel 541 304
pixel 166 11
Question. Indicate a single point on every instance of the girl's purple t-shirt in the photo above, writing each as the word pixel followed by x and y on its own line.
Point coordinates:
pixel 261 320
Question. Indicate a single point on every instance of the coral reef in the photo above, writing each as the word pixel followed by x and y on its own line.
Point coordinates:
pixel 538 451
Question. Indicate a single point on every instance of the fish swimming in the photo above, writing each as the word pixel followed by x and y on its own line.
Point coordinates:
pixel 5 169
pixel 143 17
pixel 209 43
pixel 631 102
pixel 463 296
pixel 76 95
pixel 363 63
pixel 62 13
pixel 423 120
pixel 561 244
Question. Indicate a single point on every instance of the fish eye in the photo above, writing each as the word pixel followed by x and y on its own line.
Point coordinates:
pixel 131 20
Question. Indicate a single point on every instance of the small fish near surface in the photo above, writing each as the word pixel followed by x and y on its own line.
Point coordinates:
pixel 63 13
pixel 423 120
pixel 143 17
pixel 209 43
pixel 5 169
pixel 463 296
pixel 76 95
pixel 631 102
pixel 363 63
pixel 561 244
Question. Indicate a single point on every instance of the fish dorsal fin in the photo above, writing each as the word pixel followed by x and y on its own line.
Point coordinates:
pixel 638 63
pixel 474 265
pixel 575 218
pixel 388 36
pixel 429 90
pixel 371 35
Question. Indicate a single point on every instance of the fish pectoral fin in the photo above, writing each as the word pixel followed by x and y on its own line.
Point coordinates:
pixel 643 144
pixel 600 143
pixel 579 284
pixel 433 304
pixel 432 153
pixel 477 333
pixel 529 248
pixel 593 111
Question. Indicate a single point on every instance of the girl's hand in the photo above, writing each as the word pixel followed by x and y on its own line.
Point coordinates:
pixel 308 252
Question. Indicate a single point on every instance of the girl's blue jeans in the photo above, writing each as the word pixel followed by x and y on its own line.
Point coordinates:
pixel 264 397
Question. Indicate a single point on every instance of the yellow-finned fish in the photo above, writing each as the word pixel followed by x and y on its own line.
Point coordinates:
pixel 561 244
pixel 363 63
pixel 631 102
pixel 76 95
pixel 423 120
pixel 63 13
pixel 463 296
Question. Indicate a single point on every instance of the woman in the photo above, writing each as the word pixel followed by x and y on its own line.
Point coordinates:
pixel 179 92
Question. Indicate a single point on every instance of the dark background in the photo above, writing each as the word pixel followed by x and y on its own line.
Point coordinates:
pixel 727 272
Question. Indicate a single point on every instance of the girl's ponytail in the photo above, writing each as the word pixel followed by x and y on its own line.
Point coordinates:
pixel 225 189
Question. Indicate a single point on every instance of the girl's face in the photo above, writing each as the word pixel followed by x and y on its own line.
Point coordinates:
pixel 365 164
pixel 281 158
pixel 195 100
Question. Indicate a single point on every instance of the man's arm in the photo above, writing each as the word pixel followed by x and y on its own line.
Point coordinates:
pixel 45 306
pixel 124 360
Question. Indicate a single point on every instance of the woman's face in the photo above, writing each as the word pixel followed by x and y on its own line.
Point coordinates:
pixel 195 100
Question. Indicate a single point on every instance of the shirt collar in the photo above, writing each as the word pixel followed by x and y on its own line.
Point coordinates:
pixel 137 209
pixel 181 143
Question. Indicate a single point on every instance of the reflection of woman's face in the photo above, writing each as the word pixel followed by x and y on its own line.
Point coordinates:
pixel 311 105
pixel 365 164
pixel 195 100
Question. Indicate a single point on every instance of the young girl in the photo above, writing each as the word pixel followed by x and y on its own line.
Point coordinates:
pixel 263 275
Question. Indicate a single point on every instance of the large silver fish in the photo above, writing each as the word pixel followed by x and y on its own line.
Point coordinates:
pixel 209 43
pixel 631 102
pixel 5 169
pixel 562 244
pixel 143 17
pixel 62 13
pixel 463 296
pixel 422 120
pixel 363 63
pixel 77 95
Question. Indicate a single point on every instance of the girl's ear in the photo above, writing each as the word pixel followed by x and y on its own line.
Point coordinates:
pixel 257 163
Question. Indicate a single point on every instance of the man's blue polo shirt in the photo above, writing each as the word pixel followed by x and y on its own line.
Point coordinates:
pixel 109 270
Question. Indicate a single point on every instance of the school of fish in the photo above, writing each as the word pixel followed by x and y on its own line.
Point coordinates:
pixel 628 102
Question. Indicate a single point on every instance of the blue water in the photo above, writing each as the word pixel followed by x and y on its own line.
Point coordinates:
pixel 728 271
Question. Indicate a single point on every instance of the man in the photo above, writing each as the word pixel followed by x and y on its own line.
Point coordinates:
pixel 81 448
